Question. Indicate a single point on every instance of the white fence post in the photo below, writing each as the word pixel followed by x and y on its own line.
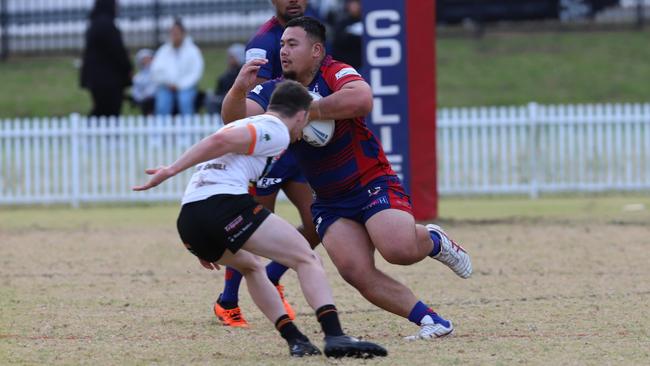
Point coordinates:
pixel 533 124
pixel 75 161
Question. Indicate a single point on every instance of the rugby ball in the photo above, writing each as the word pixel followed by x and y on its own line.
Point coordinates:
pixel 318 133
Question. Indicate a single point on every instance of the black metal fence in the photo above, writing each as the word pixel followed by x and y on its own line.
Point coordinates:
pixel 37 26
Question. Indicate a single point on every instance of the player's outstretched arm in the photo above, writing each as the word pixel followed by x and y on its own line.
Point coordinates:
pixel 354 99
pixel 231 140
pixel 235 104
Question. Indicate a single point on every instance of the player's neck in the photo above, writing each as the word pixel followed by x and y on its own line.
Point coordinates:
pixel 309 77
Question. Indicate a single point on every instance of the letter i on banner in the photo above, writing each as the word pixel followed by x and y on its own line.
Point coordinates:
pixel 400 65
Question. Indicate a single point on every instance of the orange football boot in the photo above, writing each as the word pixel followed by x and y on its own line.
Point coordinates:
pixel 230 317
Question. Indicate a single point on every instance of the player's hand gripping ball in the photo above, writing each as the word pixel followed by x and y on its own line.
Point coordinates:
pixel 318 133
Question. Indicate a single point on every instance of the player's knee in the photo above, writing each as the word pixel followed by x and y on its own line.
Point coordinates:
pixel 400 256
pixel 355 275
pixel 251 265
pixel 306 258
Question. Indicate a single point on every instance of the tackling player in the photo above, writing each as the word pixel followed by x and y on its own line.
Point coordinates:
pixel 284 174
pixel 360 204
pixel 221 224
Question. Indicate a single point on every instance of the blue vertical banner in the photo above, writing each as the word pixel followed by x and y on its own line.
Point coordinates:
pixel 399 65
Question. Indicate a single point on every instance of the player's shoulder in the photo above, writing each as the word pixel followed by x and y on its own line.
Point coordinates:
pixel 266 87
pixel 336 72
pixel 271 125
pixel 267 34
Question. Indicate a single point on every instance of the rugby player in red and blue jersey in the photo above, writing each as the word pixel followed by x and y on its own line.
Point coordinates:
pixel 360 204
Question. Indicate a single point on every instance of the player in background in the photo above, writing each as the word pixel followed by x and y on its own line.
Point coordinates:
pixel 221 224
pixel 360 205
pixel 285 173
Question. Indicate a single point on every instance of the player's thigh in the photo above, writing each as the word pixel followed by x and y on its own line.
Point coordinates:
pixel 393 233
pixel 350 249
pixel 268 201
pixel 276 239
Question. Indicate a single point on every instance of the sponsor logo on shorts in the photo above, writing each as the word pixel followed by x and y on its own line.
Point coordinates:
pixel 345 72
pixel 234 223
pixel 319 220
pixel 383 200
pixel 268 182
pixel 234 237
pixel 374 191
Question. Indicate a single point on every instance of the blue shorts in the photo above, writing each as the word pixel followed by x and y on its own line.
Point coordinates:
pixel 378 195
pixel 284 170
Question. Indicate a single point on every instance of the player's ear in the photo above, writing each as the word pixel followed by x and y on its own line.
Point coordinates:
pixel 318 50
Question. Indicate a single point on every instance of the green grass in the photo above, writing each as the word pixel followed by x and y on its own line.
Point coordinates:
pixel 575 208
pixel 505 69
pixel 617 208
pixel 498 69
pixel 49 86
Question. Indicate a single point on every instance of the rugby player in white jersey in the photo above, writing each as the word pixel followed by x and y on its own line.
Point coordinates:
pixel 221 224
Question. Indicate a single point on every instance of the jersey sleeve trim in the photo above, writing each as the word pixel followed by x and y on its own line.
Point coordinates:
pixel 253 132
pixel 338 74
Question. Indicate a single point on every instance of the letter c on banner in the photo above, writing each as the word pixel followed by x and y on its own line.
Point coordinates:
pixel 372 23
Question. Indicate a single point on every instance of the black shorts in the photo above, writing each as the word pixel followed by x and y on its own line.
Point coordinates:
pixel 224 221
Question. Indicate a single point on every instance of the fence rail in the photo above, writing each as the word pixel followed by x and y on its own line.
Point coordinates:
pixel 541 149
pixel 531 150
pixel 78 160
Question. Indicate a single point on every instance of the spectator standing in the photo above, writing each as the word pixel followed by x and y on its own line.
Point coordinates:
pixel 177 68
pixel 348 33
pixel 106 69
pixel 144 87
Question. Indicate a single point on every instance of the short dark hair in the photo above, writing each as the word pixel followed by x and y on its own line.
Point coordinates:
pixel 315 29
pixel 289 98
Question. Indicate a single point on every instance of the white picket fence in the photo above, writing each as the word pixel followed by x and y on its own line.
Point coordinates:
pixel 530 150
pixel 77 160
pixel 537 149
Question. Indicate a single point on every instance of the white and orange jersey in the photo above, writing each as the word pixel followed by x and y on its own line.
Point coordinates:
pixel 231 173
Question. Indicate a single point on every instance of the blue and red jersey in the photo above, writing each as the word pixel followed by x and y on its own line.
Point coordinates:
pixel 353 158
pixel 266 44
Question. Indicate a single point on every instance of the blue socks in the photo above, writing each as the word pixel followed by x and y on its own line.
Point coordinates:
pixel 274 271
pixel 436 243
pixel 230 294
pixel 420 310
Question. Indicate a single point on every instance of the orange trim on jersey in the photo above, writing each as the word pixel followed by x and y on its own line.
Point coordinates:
pixel 253 133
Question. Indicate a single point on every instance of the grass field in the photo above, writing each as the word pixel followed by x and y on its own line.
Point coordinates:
pixel 557 281
pixel 498 69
